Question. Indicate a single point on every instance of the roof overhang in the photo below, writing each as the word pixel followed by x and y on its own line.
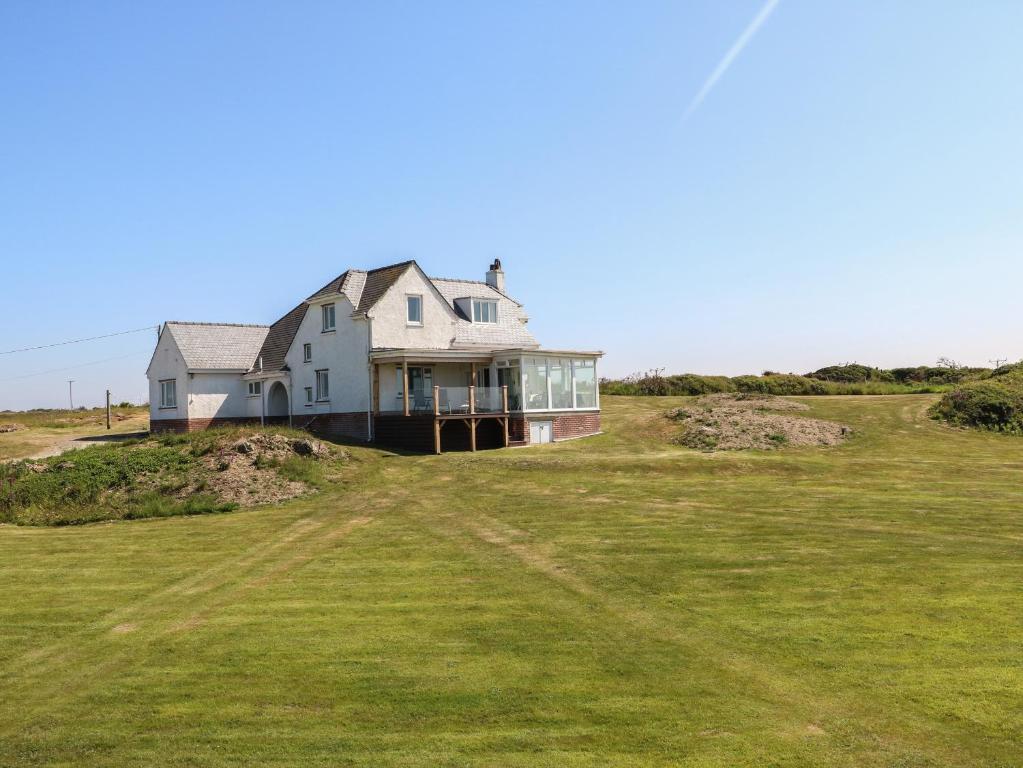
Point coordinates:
pixel 431 355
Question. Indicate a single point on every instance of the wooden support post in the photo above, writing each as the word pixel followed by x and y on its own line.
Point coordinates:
pixel 404 388
pixel 376 388
pixel 506 439
pixel 504 398
pixel 108 409
pixel 472 433
pixel 436 421
pixel 472 399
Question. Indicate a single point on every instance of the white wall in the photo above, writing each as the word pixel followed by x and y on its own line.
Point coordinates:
pixel 167 364
pixel 343 352
pixel 390 327
pixel 218 395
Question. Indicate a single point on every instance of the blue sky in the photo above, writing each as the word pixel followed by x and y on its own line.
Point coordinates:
pixel 848 189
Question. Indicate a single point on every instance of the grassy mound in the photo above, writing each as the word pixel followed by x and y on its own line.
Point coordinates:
pixel 206 472
pixel 995 403
pixel 727 422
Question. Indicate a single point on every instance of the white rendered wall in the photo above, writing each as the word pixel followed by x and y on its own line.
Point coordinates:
pixel 390 326
pixel 217 396
pixel 344 353
pixel 167 364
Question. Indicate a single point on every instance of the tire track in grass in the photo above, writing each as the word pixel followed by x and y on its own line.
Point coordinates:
pixel 79 671
pixel 810 707
pixel 198 582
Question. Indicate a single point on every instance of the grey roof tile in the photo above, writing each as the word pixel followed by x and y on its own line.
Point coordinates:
pixel 218 346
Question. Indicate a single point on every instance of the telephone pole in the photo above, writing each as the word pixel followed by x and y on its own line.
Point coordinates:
pixel 108 409
pixel 70 395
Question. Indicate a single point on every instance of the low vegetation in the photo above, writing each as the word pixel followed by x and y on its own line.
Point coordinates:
pixel 213 471
pixel 994 403
pixel 726 422
pixel 849 379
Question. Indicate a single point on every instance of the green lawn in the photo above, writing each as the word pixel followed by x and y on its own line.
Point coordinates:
pixel 616 601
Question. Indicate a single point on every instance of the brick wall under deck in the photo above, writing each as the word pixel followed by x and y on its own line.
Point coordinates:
pixel 564 424
pixel 353 425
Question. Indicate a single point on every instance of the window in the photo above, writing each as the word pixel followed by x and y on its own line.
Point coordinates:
pixel 169 394
pixel 307 353
pixel 585 384
pixel 561 383
pixel 322 385
pixel 328 317
pixel 308 395
pixel 414 306
pixel 534 373
pixel 484 311
pixel 255 388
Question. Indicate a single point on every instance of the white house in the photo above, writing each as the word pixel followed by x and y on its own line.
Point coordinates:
pixel 388 355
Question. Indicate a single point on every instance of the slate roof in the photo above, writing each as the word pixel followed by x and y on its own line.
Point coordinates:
pixel 217 346
pixel 278 340
pixel 510 329
pixel 362 288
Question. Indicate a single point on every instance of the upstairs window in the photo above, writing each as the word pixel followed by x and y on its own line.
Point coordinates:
pixel 255 388
pixel 484 311
pixel 307 353
pixel 322 385
pixel 328 317
pixel 414 309
pixel 169 394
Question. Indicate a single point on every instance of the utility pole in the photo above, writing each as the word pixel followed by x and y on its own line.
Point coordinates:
pixel 70 396
pixel 999 361
pixel 108 409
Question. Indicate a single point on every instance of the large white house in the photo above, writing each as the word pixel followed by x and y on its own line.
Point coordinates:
pixel 388 355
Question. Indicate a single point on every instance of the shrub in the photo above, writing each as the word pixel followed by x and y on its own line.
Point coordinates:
pixel 995 403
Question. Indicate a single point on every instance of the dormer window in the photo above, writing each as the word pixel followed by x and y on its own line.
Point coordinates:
pixel 414 309
pixel 484 311
pixel 328 317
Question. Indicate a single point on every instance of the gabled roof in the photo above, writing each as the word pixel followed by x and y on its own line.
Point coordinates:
pixel 362 288
pixel 278 340
pixel 217 346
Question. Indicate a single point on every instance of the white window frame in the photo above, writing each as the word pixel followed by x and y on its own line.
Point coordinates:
pixel 308 396
pixel 477 311
pixel 307 353
pixel 255 388
pixel 323 386
pixel 550 387
pixel 173 403
pixel 328 311
pixel 408 305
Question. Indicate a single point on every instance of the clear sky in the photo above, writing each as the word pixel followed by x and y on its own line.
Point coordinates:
pixel 700 186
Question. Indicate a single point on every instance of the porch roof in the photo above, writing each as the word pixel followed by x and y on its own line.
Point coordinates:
pixel 467 355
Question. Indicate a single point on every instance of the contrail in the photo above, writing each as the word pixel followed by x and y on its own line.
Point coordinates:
pixel 733 52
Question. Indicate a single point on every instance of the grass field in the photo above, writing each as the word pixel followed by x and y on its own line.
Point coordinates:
pixel 615 601
pixel 55 430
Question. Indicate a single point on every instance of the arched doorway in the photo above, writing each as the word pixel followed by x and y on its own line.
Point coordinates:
pixel 277 401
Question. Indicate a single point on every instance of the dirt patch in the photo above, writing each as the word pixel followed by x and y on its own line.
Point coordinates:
pixel 245 472
pixel 735 422
pixel 4 428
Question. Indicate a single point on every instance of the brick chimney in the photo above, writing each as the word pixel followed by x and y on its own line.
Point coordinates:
pixel 495 276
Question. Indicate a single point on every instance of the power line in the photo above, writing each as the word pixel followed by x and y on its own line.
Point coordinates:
pixel 78 341
pixel 74 367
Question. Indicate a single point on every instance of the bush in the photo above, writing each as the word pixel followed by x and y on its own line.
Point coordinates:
pixel 994 403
